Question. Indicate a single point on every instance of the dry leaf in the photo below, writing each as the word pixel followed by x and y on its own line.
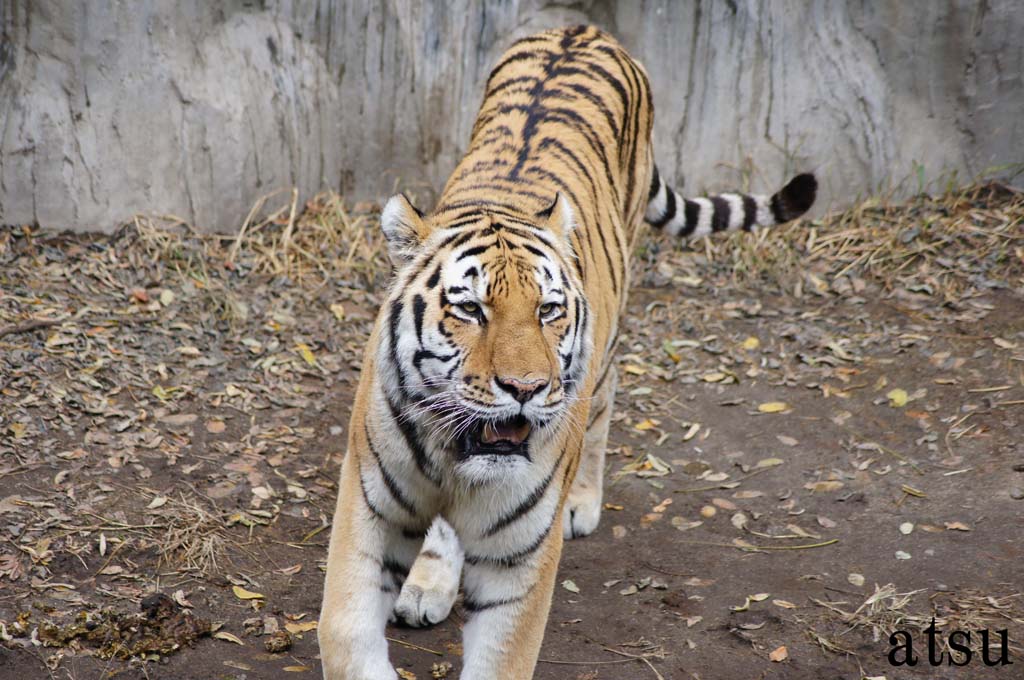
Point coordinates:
pixel 306 353
pixel 571 586
pixel 823 487
pixel 768 462
pixel 157 502
pixel 301 627
pixel 897 398
pixel 229 637
pixel 243 594
pixel 215 426
pixel 779 654
pixel 773 407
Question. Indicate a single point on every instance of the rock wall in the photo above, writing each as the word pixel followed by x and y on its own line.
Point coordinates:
pixel 197 109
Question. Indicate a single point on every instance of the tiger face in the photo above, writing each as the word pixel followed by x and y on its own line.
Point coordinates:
pixel 488 329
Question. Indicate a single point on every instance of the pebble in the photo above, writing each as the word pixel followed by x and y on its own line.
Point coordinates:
pixel 1019 467
pixel 1017 493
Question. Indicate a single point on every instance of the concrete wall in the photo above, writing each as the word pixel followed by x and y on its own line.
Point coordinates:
pixel 197 109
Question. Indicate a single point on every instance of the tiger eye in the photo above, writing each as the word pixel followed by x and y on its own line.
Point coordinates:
pixel 470 308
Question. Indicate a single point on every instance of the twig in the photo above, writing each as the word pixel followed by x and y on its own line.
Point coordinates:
pixel 714 487
pixel 585 663
pixel 750 547
pixel 658 569
pixel 638 658
pixel 417 647
pixel 29 326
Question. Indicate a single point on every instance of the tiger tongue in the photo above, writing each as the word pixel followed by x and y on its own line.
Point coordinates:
pixel 507 431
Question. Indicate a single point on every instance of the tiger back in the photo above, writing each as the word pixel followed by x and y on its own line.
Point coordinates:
pixel 478 430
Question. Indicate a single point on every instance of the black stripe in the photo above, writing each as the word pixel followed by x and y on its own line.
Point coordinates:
pixel 562 148
pixel 554 179
pixel 516 558
pixel 538 252
pixel 434 278
pixel 412 441
pixel 475 250
pixel 655 185
pixel 596 100
pixel 518 56
pixel 749 212
pixel 512 186
pixel 587 70
pixel 473 607
pixel 389 480
pixel 419 308
pixel 394 319
pixel 369 504
pixel 505 84
pixel 528 503
pixel 414 534
pixel 721 213
pixel 395 568
pixel 692 216
pixel 670 210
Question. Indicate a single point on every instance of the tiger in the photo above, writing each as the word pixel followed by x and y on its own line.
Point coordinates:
pixel 477 437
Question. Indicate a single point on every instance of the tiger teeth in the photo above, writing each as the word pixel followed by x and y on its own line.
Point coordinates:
pixel 489 435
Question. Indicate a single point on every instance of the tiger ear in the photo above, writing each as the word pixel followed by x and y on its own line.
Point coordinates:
pixel 560 218
pixel 404 228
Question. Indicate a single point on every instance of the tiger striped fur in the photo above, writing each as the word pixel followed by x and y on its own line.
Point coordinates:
pixel 478 430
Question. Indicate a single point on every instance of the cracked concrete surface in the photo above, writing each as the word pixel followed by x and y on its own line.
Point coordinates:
pixel 111 109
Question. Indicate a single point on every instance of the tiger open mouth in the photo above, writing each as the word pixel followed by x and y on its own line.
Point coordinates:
pixel 496 437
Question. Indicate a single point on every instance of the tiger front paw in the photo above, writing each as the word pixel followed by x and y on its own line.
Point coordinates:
pixel 582 514
pixel 427 600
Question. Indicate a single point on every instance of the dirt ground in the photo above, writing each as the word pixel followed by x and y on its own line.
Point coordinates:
pixel 817 441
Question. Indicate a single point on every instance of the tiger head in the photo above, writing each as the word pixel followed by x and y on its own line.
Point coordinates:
pixel 487 333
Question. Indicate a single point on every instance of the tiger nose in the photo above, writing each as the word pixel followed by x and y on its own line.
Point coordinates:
pixel 522 390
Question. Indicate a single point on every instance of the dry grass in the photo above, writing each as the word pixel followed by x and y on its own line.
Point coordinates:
pixel 193 536
pixel 323 242
pixel 937 245
pixel 887 610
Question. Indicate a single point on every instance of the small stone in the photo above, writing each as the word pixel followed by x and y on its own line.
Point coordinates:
pixel 1017 493
pixel 1019 467
pixel 902 555
pixel 281 641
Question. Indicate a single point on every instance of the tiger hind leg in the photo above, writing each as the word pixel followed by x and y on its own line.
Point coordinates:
pixel 583 507
pixel 432 585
